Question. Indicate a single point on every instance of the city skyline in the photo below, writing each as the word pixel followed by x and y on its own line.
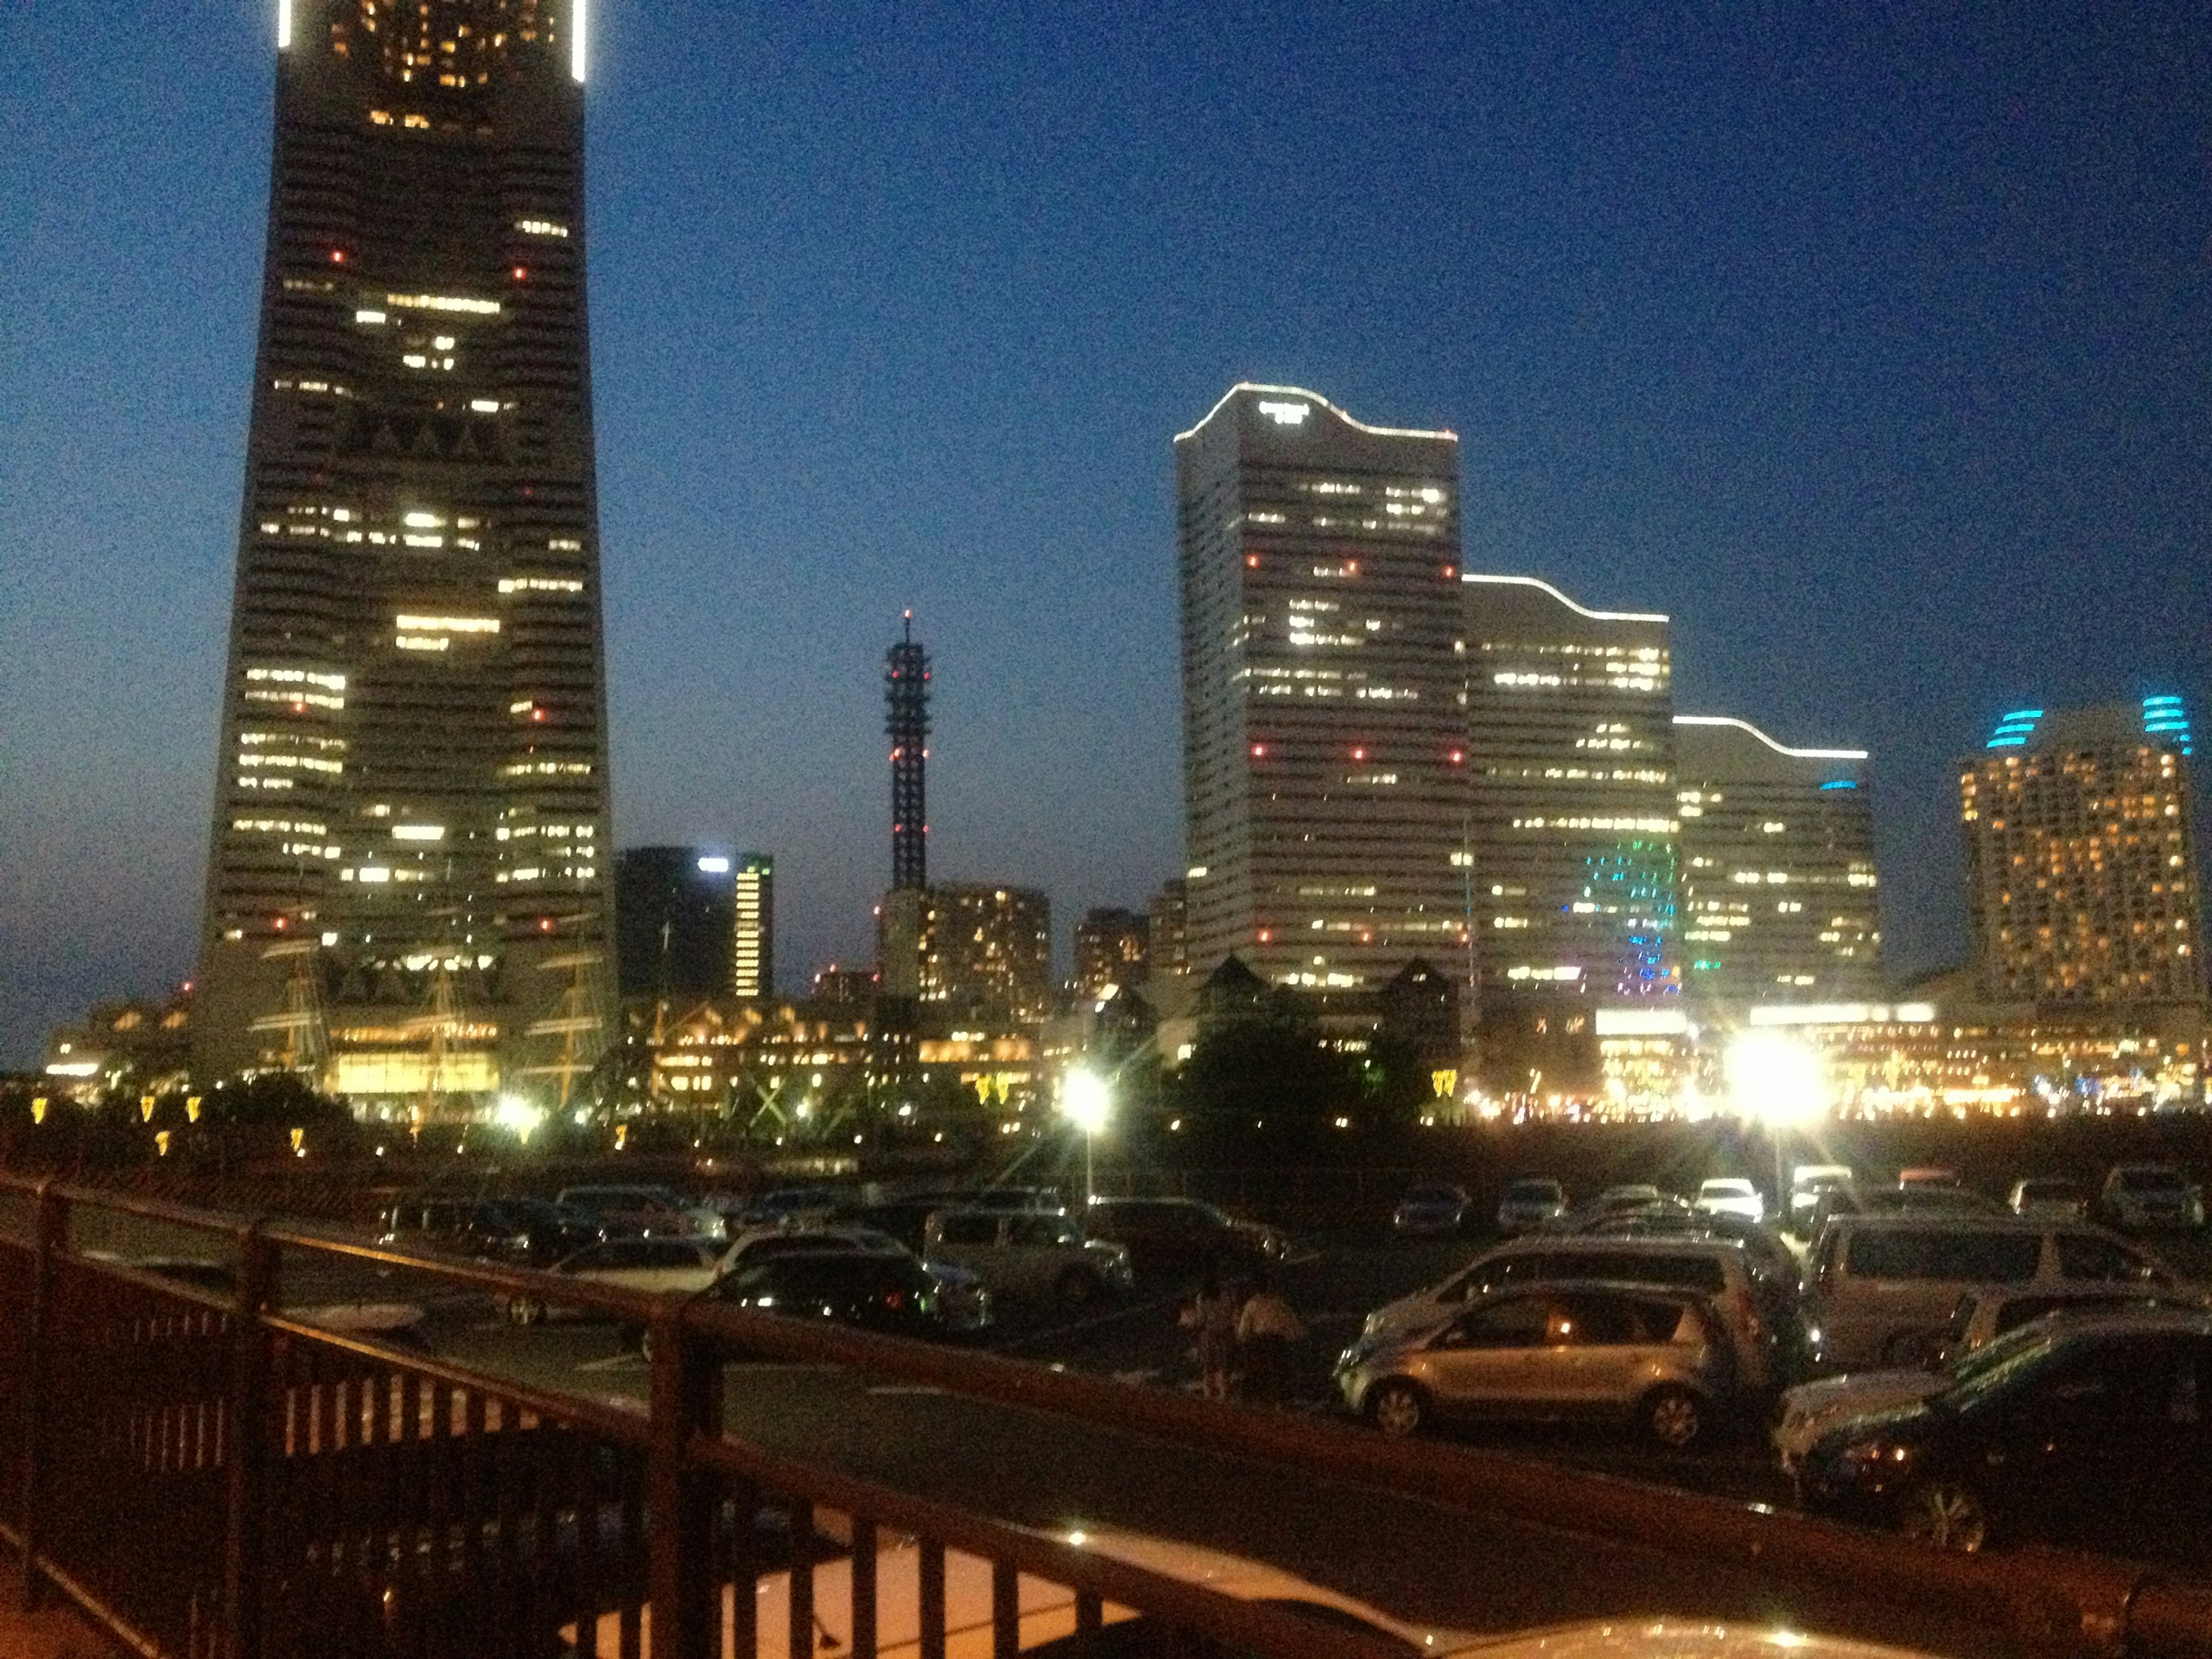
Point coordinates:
pixel 1875 443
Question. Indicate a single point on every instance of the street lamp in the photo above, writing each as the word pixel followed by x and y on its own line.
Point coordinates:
pixel 1086 1102
pixel 1776 1080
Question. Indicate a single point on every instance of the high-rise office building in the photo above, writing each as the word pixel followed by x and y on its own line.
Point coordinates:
pixel 1112 947
pixel 985 952
pixel 2081 857
pixel 677 914
pixel 411 832
pixel 752 951
pixel 1569 856
pixel 1323 743
pixel 1775 869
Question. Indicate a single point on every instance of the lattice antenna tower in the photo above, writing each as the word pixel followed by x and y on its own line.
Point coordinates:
pixel 905 701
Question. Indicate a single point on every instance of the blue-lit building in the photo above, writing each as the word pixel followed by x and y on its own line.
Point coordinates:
pixel 2081 857
pixel 1775 876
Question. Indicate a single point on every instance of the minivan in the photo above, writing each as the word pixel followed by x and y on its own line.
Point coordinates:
pixel 1716 1268
pixel 1879 1284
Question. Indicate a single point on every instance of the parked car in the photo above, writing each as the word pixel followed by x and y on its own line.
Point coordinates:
pixel 1045 1613
pixel 646 1210
pixel 1731 1195
pixel 1808 1182
pixel 1430 1208
pixel 1714 1268
pixel 1877 1285
pixel 1930 1178
pixel 1856 1200
pixel 1657 1360
pixel 1183 1236
pixel 871 1289
pixel 440 1221
pixel 1530 1202
pixel 2142 1198
pixel 2092 1433
pixel 2048 1196
pixel 1027 1253
pixel 787 1207
pixel 964 1299
pixel 1990 1324
pixel 655 1264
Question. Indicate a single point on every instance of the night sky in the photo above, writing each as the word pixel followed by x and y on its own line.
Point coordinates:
pixel 1870 342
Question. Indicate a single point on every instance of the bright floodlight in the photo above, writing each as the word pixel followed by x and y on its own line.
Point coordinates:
pixel 515 1113
pixel 1774 1079
pixel 1085 1102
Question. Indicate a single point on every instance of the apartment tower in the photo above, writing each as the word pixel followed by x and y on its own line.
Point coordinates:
pixel 2081 858
pixel 1775 869
pixel 407 892
pixel 1323 745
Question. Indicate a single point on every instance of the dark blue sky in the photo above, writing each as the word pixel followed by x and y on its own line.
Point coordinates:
pixel 1871 342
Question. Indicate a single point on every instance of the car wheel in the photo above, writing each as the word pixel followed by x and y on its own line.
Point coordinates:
pixel 1398 1409
pixel 1078 1287
pixel 525 1310
pixel 1673 1418
pixel 1947 1514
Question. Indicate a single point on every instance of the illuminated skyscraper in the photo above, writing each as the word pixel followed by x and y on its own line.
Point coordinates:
pixel 1775 869
pixel 410 828
pixel 1112 947
pixel 2081 857
pixel 1571 825
pixel 752 954
pixel 1323 742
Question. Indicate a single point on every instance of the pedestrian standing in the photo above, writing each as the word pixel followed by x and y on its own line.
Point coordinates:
pixel 1213 1314
pixel 1267 1332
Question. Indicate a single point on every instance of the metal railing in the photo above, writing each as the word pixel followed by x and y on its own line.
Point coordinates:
pixel 214 1478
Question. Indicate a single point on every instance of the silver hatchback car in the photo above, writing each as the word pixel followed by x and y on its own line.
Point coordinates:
pixel 1654 1359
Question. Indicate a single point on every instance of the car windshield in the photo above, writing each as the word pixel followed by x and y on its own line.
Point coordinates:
pixel 1538 1192
pixel 1431 1196
pixel 1996 1368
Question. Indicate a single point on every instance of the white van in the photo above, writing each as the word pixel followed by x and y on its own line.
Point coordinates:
pixel 1879 1285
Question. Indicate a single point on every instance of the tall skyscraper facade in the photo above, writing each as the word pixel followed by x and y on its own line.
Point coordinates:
pixel 410 833
pixel 1569 847
pixel 1775 869
pixel 2081 858
pixel 752 953
pixel 983 952
pixel 1112 947
pixel 677 910
pixel 1323 743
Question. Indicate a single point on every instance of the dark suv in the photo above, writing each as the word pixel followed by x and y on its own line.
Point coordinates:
pixel 526 1231
pixel 876 1291
pixel 1181 1235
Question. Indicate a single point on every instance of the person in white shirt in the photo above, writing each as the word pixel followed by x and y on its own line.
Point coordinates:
pixel 1266 1331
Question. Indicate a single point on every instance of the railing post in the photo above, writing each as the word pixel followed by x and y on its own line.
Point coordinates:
pixel 686 1401
pixel 247 1448
pixel 49 1238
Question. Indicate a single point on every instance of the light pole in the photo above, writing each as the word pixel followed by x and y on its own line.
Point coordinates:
pixel 1086 1102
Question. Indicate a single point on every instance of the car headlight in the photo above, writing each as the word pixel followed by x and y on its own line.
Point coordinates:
pixel 1865 1456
